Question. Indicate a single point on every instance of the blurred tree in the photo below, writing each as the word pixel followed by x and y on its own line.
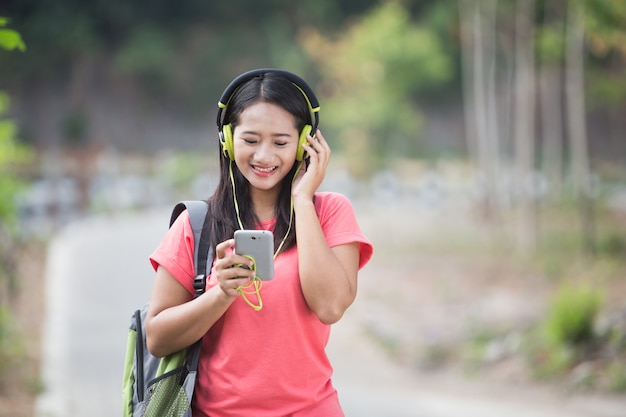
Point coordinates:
pixel 582 39
pixel 577 126
pixel 372 73
pixel 149 56
pixel 605 33
pixel 12 153
pixel 478 27
pixel 493 71
pixel 176 57
pixel 10 39
pixel 550 52
pixel 61 31
pixel 524 126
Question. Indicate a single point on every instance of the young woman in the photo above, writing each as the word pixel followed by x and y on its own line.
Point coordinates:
pixel 269 361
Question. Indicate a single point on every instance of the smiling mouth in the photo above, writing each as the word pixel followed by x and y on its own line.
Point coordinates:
pixel 266 170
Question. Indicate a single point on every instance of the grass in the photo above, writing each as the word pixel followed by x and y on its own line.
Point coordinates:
pixel 571 316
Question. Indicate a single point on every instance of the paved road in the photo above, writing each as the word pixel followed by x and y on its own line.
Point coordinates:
pixel 98 273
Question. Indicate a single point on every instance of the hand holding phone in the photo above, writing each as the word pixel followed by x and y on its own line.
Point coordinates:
pixel 257 245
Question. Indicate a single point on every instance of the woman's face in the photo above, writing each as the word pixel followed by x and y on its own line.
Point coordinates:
pixel 265 145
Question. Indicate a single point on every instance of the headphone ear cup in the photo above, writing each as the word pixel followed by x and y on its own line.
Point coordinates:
pixel 228 145
pixel 306 130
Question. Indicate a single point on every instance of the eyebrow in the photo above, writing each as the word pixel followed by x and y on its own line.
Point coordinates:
pixel 251 132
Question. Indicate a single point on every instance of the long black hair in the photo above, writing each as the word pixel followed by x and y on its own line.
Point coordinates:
pixel 271 88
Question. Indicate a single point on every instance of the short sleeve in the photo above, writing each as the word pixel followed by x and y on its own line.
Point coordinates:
pixel 340 225
pixel 176 252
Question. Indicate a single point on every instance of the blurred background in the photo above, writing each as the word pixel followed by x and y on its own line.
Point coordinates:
pixel 481 141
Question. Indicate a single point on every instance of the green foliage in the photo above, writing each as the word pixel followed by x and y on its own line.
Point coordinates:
pixel 566 333
pixel 551 43
pixel 571 316
pixel 373 74
pixel 240 34
pixel 10 39
pixel 605 33
pixel 148 56
pixel 604 23
pixel 12 153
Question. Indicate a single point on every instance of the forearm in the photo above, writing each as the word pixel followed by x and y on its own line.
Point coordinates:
pixel 179 326
pixel 327 285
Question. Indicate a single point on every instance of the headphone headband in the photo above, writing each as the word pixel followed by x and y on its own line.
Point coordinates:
pixel 307 92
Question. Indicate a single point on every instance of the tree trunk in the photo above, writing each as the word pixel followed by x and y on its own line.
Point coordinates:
pixel 467 70
pixel 577 126
pixel 551 96
pixel 478 54
pixel 524 126
pixel 552 127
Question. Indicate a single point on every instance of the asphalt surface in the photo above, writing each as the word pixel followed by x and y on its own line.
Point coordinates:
pixel 98 273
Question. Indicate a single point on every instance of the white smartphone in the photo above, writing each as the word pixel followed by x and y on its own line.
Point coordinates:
pixel 259 245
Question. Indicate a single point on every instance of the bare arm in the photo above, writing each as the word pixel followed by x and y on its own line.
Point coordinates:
pixel 328 275
pixel 175 320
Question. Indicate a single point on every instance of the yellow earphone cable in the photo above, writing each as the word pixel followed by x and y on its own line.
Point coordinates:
pixel 232 181
pixel 256 281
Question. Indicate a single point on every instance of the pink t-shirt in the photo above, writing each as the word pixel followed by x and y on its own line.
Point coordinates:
pixel 271 362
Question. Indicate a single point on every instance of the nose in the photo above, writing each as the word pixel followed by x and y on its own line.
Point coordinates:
pixel 264 153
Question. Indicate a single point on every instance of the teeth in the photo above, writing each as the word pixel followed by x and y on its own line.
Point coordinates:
pixel 265 169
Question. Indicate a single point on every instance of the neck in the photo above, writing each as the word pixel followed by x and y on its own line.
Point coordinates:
pixel 264 203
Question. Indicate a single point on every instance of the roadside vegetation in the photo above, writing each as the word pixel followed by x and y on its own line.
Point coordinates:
pixel 569 326
pixel 20 288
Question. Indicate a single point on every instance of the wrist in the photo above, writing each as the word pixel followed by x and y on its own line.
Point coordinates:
pixel 300 202
pixel 223 297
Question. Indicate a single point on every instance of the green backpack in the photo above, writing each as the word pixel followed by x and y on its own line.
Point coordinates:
pixel 163 387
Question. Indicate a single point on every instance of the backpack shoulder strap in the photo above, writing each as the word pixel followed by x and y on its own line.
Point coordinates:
pixel 198 210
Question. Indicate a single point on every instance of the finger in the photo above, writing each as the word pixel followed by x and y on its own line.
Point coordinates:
pixel 222 248
pixel 322 141
pixel 318 136
pixel 319 142
pixel 316 144
pixel 230 271
pixel 232 286
pixel 319 153
pixel 308 148
pixel 242 271
pixel 242 261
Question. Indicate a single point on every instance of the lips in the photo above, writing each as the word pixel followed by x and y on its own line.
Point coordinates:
pixel 264 170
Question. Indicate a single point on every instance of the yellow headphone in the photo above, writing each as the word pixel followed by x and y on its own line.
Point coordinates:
pixel 226 132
